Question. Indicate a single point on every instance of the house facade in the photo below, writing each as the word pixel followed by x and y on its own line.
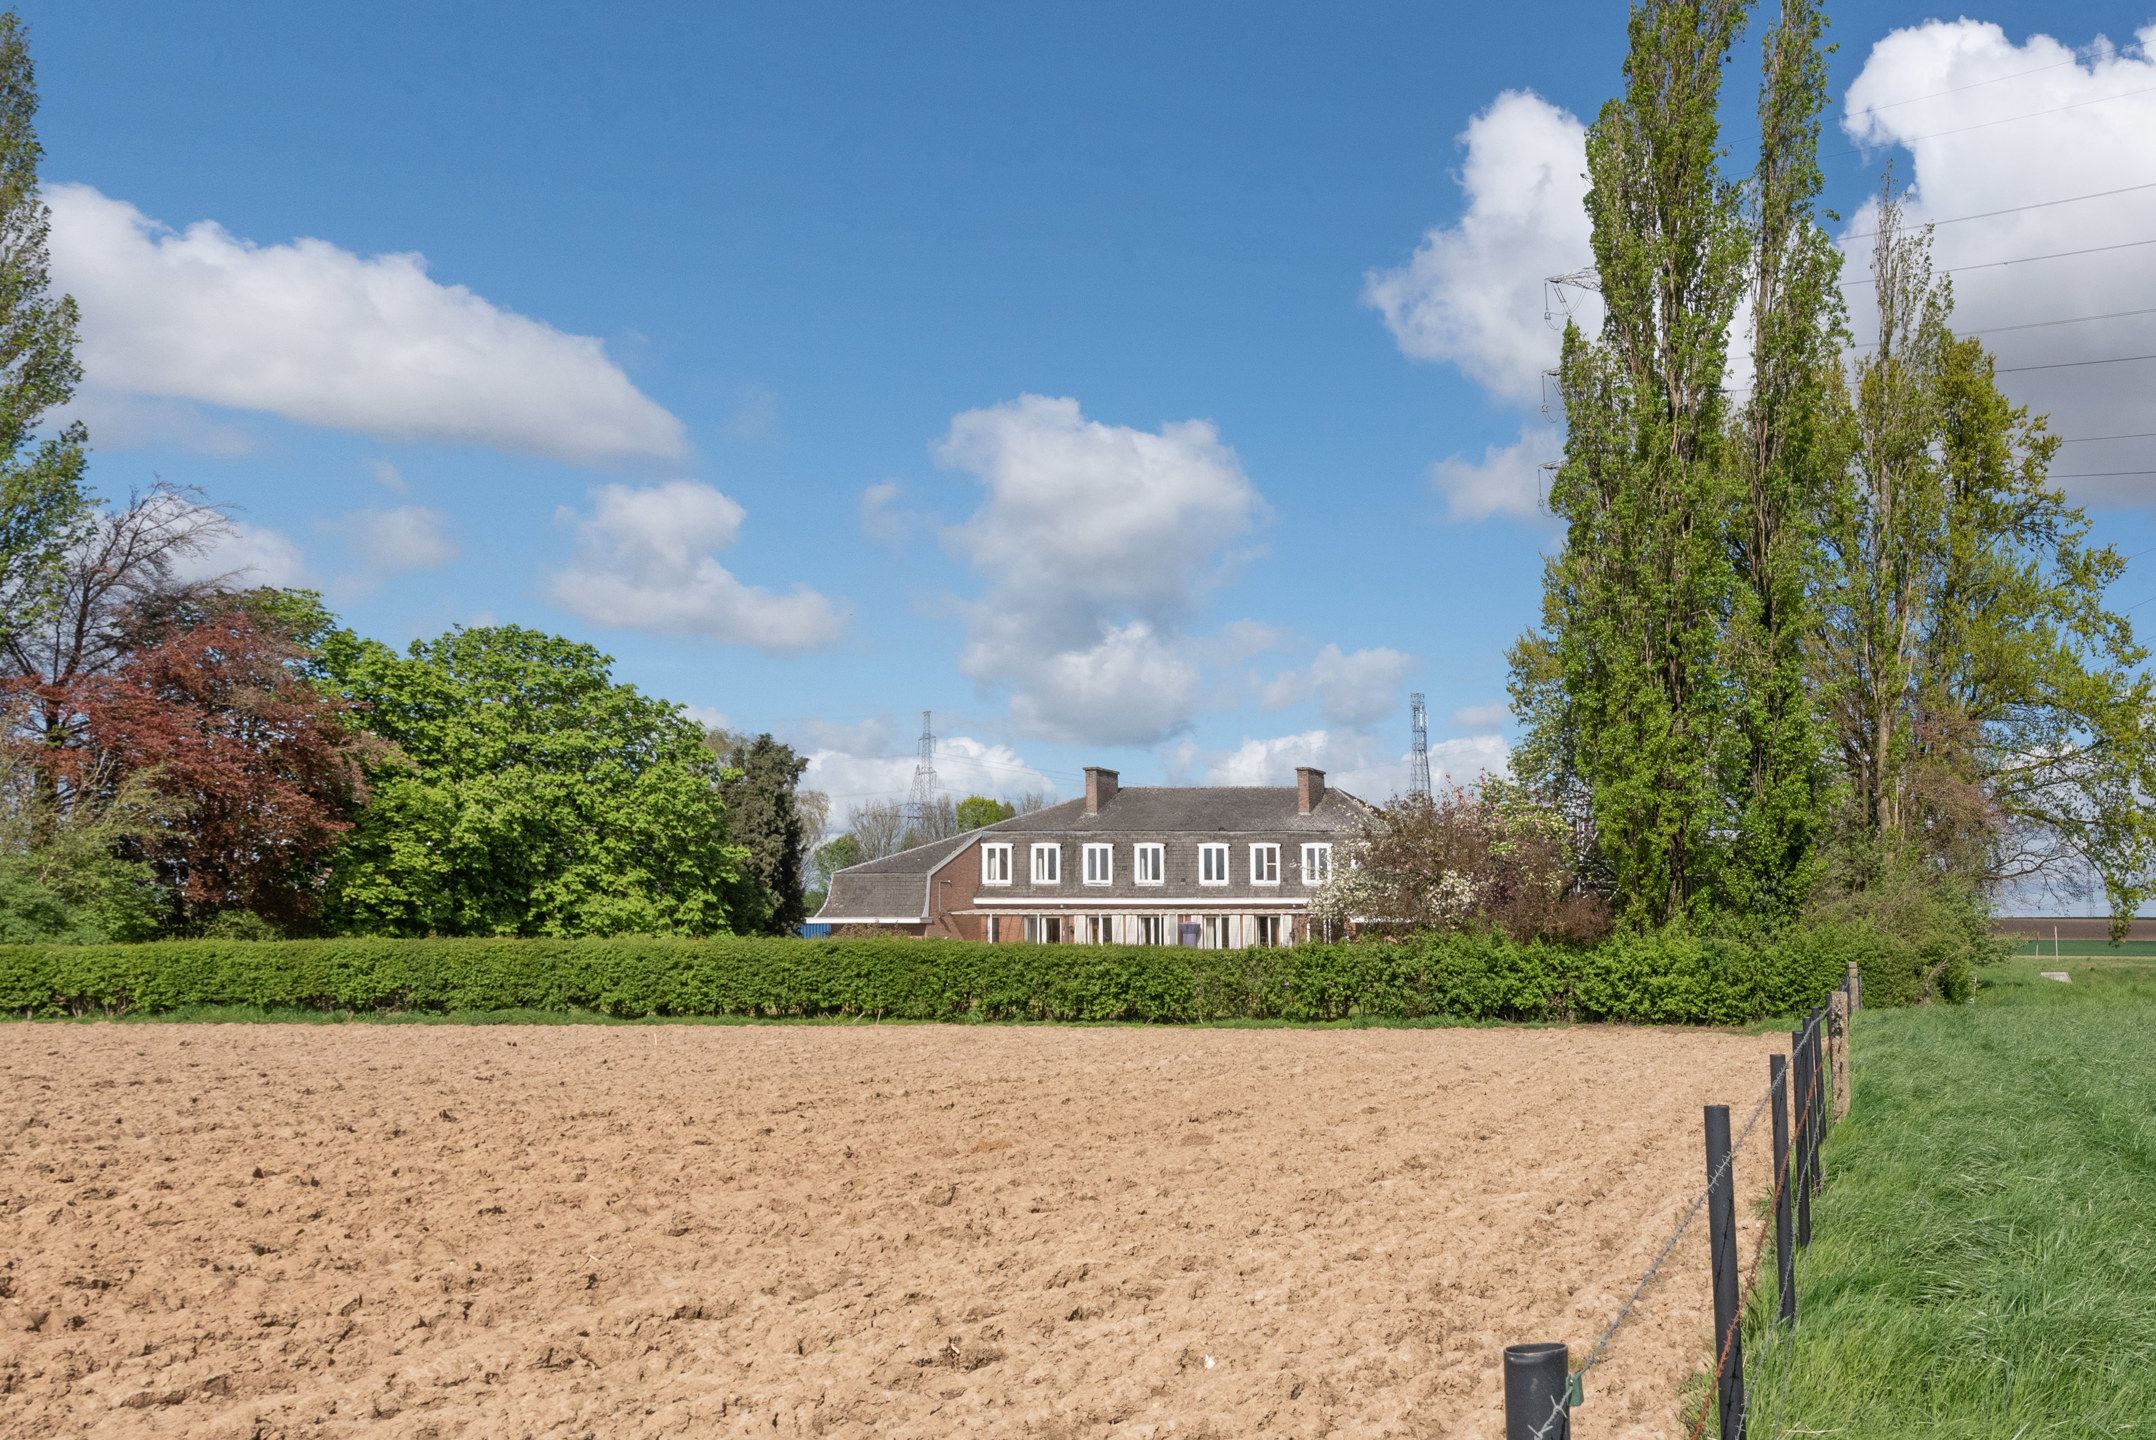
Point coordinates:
pixel 1219 867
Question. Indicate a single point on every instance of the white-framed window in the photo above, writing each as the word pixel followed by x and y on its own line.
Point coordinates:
pixel 1212 864
pixel 1219 932
pixel 1152 929
pixel 1048 864
pixel 995 864
pixel 1317 863
pixel 1099 864
pixel 1268 929
pixel 1096 930
pixel 1146 864
pixel 1265 864
pixel 1044 929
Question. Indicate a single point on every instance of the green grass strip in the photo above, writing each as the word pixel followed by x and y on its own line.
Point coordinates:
pixel 1983 1261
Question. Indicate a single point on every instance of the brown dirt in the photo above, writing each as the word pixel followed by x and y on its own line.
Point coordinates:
pixel 892 1231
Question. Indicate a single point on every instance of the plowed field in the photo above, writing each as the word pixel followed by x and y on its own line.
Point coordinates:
pixel 269 1230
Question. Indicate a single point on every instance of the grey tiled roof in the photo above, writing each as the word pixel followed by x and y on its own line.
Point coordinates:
pixel 1178 817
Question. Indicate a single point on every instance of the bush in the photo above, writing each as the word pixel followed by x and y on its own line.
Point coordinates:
pixel 1654 978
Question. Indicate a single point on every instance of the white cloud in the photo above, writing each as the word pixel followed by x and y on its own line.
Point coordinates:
pixel 964 766
pixel 879 517
pixel 645 560
pixel 1352 689
pixel 1355 761
pixel 1482 717
pixel 317 334
pixel 386 475
pixel 707 716
pixel 1508 480
pixel 1097 542
pixel 2019 124
pixel 1473 294
pixel 119 421
pixel 408 537
pixel 247 556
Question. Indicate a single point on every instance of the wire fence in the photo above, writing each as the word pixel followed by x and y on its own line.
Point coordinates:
pixel 1806 1091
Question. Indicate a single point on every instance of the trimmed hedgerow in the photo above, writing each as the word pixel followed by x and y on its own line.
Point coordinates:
pixel 1658 978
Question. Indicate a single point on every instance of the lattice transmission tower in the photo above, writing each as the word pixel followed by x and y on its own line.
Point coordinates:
pixel 921 801
pixel 1418 753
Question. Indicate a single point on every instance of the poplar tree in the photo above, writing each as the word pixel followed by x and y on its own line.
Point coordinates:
pixel 41 495
pixel 1629 690
pixel 1790 442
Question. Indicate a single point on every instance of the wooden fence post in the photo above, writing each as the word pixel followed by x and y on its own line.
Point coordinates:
pixel 1838 1025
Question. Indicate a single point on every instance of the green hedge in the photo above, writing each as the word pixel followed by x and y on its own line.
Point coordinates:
pixel 1652 978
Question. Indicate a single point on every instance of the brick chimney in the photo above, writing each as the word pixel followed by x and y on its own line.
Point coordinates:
pixel 1100 788
pixel 1309 789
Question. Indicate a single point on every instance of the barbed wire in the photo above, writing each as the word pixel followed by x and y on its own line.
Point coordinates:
pixel 1595 1352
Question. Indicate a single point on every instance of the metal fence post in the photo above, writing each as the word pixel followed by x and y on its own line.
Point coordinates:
pixel 1536 1378
pixel 1722 1251
pixel 1785 1254
pixel 1800 1180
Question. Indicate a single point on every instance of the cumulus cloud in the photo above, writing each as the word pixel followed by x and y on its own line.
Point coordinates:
pixel 408 537
pixel 1355 761
pixel 646 560
pixel 317 334
pixel 2001 124
pixel 1351 689
pixel 1472 295
pixel 1482 717
pixel 1096 542
pixel 864 772
pixel 247 556
pixel 1508 480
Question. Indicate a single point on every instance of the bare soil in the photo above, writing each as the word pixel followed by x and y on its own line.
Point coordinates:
pixel 268 1230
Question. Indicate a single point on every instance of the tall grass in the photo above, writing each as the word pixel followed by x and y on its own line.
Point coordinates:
pixel 1983 1261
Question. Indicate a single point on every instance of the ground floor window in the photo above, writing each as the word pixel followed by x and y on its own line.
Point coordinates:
pixel 1267 929
pixel 1096 930
pixel 1044 929
pixel 1219 932
pixel 1152 929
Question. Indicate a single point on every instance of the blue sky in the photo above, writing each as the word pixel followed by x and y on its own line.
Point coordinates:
pixel 820 256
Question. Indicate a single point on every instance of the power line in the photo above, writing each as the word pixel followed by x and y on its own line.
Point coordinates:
pixel 2072 364
pixel 2090 439
pixel 2044 325
pixel 2017 209
pixel 1973 85
pixel 2025 259
pixel 2097 474
pixel 1908 140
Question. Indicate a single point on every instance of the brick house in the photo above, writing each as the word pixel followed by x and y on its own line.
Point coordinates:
pixel 1213 866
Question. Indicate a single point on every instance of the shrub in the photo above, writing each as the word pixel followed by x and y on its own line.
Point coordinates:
pixel 1661 978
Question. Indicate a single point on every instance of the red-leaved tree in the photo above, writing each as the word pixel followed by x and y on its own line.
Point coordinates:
pixel 212 706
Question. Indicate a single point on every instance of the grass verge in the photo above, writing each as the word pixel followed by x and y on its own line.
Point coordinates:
pixel 1982 1254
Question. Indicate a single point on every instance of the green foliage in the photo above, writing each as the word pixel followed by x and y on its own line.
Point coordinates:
pixel 530 795
pixel 759 787
pixel 1979 1254
pixel 1664 978
pixel 42 505
pixel 71 874
pixel 976 811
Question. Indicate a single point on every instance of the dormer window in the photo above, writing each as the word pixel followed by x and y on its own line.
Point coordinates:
pixel 1099 864
pixel 995 864
pixel 1146 864
pixel 1265 864
pixel 1317 864
pixel 1212 864
pixel 1048 864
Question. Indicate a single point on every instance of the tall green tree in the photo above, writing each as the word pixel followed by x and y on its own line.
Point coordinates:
pixel 759 785
pixel 1633 678
pixel 1990 712
pixel 41 493
pixel 531 795
pixel 1789 442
